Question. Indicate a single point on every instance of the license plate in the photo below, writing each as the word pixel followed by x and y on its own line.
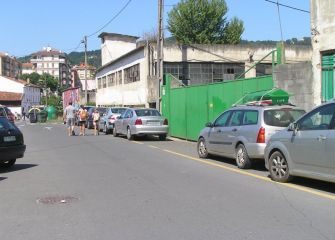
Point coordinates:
pixel 9 139
pixel 153 123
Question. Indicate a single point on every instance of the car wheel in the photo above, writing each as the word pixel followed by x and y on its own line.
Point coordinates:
pixel 115 134
pixel 278 168
pixel 105 129
pixel 202 148
pixel 162 137
pixel 8 163
pixel 242 158
pixel 129 135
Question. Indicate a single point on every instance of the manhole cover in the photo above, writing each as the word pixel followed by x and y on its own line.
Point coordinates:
pixel 57 200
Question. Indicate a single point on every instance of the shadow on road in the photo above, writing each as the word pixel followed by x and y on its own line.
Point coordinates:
pixel 257 165
pixel 17 167
pixel 2 178
pixel 315 184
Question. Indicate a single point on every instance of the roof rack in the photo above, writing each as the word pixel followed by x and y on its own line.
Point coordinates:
pixel 274 96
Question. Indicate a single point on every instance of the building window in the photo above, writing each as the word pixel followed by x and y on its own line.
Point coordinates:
pixel 132 74
pixel 104 85
pixel 111 79
pixel 119 77
pixel 99 83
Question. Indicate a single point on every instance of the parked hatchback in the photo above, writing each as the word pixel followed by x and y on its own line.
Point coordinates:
pixel 306 148
pixel 11 143
pixel 141 121
pixel 242 132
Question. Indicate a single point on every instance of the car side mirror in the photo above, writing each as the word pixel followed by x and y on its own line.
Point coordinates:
pixel 209 124
pixel 293 126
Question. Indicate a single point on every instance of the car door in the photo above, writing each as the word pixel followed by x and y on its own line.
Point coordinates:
pixel 232 131
pixel 119 123
pixel 215 137
pixel 126 120
pixel 328 161
pixel 307 146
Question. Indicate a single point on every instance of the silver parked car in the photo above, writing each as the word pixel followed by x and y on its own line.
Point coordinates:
pixel 242 132
pixel 306 148
pixel 139 122
pixel 106 123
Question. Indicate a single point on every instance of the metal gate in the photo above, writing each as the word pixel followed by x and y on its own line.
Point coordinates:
pixel 189 108
pixel 328 76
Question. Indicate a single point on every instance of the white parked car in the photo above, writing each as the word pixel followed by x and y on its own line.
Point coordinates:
pixel 140 122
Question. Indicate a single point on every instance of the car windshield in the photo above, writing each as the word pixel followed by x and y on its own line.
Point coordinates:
pixel 2 112
pixel 282 117
pixel 147 112
pixel 5 124
pixel 101 110
pixel 118 110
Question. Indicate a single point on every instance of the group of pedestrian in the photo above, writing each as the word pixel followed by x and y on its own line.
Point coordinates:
pixel 70 114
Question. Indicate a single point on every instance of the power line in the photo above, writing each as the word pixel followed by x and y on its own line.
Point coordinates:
pixel 283 5
pixel 115 16
pixel 72 49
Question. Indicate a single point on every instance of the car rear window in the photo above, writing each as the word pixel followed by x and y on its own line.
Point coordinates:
pixel 118 110
pixel 5 124
pixel 282 117
pixel 147 112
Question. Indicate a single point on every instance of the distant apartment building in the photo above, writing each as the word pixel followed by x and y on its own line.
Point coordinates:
pixel 78 76
pixel 27 68
pixel 54 62
pixel 9 66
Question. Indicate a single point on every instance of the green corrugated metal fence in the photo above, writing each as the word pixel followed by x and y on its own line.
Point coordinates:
pixel 189 108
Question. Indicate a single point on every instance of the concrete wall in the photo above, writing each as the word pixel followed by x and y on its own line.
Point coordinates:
pixel 323 35
pixel 296 79
pixel 112 49
pixel 243 53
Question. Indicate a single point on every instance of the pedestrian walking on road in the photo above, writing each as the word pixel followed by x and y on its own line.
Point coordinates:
pixel 69 118
pixel 96 118
pixel 83 114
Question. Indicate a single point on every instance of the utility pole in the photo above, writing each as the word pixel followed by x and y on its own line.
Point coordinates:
pixel 160 39
pixel 85 44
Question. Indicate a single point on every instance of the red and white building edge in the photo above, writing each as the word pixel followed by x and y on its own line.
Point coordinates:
pixel 18 95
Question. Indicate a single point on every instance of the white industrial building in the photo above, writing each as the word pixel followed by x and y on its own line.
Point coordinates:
pixel 128 75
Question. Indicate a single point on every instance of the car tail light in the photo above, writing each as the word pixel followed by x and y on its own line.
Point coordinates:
pixel 138 121
pixel 165 122
pixel 261 135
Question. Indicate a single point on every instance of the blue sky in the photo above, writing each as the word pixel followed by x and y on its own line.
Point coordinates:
pixel 27 26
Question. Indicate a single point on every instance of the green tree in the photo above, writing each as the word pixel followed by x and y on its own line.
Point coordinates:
pixel 44 81
pixel 203 22
pixel 33 77
pixel 48 81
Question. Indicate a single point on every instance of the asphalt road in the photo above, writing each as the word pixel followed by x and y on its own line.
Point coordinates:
pixel 101 187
